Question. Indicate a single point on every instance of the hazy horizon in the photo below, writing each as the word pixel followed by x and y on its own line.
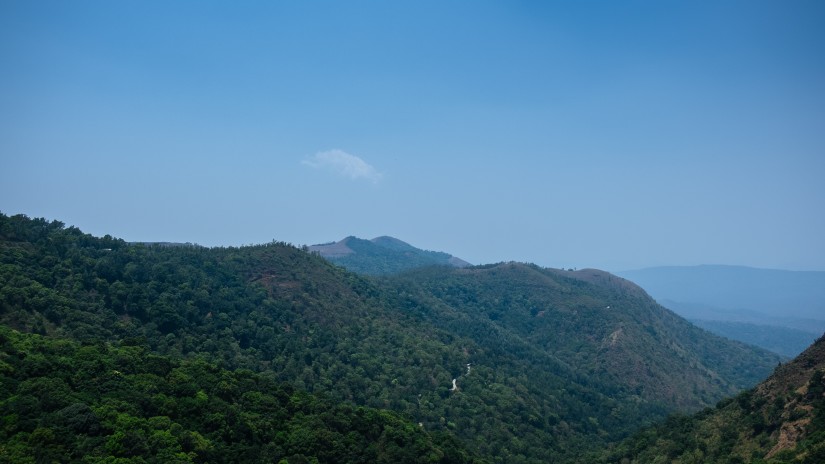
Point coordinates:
pixel 609 135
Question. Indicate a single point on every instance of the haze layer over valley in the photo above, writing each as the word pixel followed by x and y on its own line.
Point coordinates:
pixel 783 311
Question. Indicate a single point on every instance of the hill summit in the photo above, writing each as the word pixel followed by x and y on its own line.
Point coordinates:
pixel 382 255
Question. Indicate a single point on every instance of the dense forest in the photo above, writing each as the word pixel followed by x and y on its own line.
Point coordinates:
pixel 506 363
pixel 69 402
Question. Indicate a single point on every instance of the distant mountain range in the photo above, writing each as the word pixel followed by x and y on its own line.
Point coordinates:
pixel 763 292
pixel 382 255
pixel 781 340
pixel 783 311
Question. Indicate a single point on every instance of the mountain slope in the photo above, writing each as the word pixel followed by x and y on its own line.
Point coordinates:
pixel 782 420
pixel 299 319
pixel 382 255
pixel 464 352
pixel 599 325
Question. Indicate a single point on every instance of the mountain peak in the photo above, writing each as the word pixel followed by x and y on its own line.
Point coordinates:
pixel 383 255
pixel 393 243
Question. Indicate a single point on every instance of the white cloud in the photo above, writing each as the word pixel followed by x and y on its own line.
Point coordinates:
pixel 344 164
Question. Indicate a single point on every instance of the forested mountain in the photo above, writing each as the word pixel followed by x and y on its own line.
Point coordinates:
pixel 382 255
pixel 780 421
pixel 518 363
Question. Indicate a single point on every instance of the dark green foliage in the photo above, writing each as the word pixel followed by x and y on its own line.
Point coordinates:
pixel 63 402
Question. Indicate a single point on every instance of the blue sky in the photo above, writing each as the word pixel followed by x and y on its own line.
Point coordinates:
pixel 608 134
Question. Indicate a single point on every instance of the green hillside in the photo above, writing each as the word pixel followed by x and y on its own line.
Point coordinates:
pixel 62 401
pixel 596 324
pixel 780 421
pixel 520 364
